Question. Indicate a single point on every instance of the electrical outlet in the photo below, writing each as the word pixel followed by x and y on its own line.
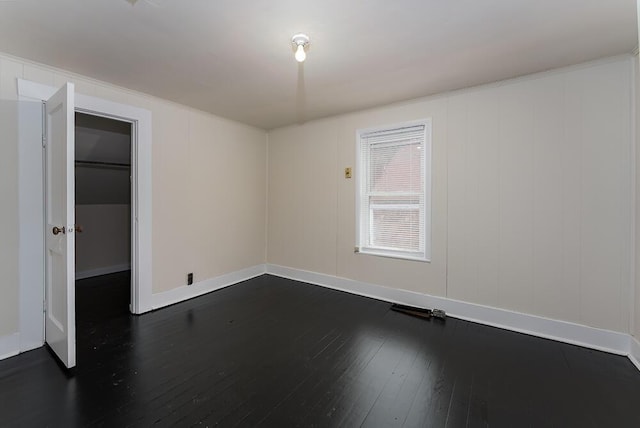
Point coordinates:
pixel 190 278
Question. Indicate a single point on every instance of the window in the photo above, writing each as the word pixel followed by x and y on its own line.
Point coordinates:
pixel 394 191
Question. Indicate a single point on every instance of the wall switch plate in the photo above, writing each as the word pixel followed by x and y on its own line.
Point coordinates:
pixel 190 278
pixel 347 172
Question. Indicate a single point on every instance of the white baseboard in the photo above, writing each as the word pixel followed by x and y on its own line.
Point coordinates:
pixel 562 331
pixel 186 292
pixel 634 351
pixel 9 345
pixel 102 271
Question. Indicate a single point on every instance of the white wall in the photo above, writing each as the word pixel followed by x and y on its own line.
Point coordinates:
pixel 8 216
pixel 636 303
pixel 105 242
pixel 532 190
pixel 209 193
pixel 539 196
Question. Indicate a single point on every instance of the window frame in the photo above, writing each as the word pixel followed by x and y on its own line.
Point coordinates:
pixel 362 173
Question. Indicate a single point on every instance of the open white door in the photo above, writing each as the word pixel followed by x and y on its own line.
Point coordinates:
pixel 60 324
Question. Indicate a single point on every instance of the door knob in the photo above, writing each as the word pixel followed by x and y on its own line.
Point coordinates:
pixel 79 228
pixel 57 230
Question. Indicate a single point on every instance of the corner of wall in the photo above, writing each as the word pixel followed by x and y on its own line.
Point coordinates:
pixel 180 294
pixel 266 199
pixel 634 351
pixel 9 345
pixel 635 290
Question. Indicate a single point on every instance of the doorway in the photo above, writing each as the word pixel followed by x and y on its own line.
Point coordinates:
pixel 103 218
pixel 32 191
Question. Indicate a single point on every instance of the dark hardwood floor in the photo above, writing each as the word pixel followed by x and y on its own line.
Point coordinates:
pixel 279 353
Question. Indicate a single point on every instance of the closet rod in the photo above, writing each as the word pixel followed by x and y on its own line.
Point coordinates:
pixel 102 164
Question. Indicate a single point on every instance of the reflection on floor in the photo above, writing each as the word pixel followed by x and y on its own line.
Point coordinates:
pixel 279 353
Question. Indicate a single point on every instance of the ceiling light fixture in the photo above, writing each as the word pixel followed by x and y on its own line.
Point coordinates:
pixel 300 41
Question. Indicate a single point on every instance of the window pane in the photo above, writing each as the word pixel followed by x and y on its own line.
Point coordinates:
pixel 395 226
pixel 396 167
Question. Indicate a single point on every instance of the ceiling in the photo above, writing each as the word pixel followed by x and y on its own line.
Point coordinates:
pixel 235 59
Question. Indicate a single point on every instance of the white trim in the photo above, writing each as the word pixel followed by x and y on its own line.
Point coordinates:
pixel 634 351
pixel 362 173
pixel 9 345
pixel 187 292
pixel 562 331
pixel 102 271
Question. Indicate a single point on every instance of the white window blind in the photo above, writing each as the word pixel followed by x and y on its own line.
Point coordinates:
pixel 394 192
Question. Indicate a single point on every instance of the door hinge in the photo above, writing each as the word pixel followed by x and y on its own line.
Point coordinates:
pixel 44 306
pixel 44 140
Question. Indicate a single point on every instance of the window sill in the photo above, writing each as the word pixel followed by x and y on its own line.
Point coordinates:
pixel 390 255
